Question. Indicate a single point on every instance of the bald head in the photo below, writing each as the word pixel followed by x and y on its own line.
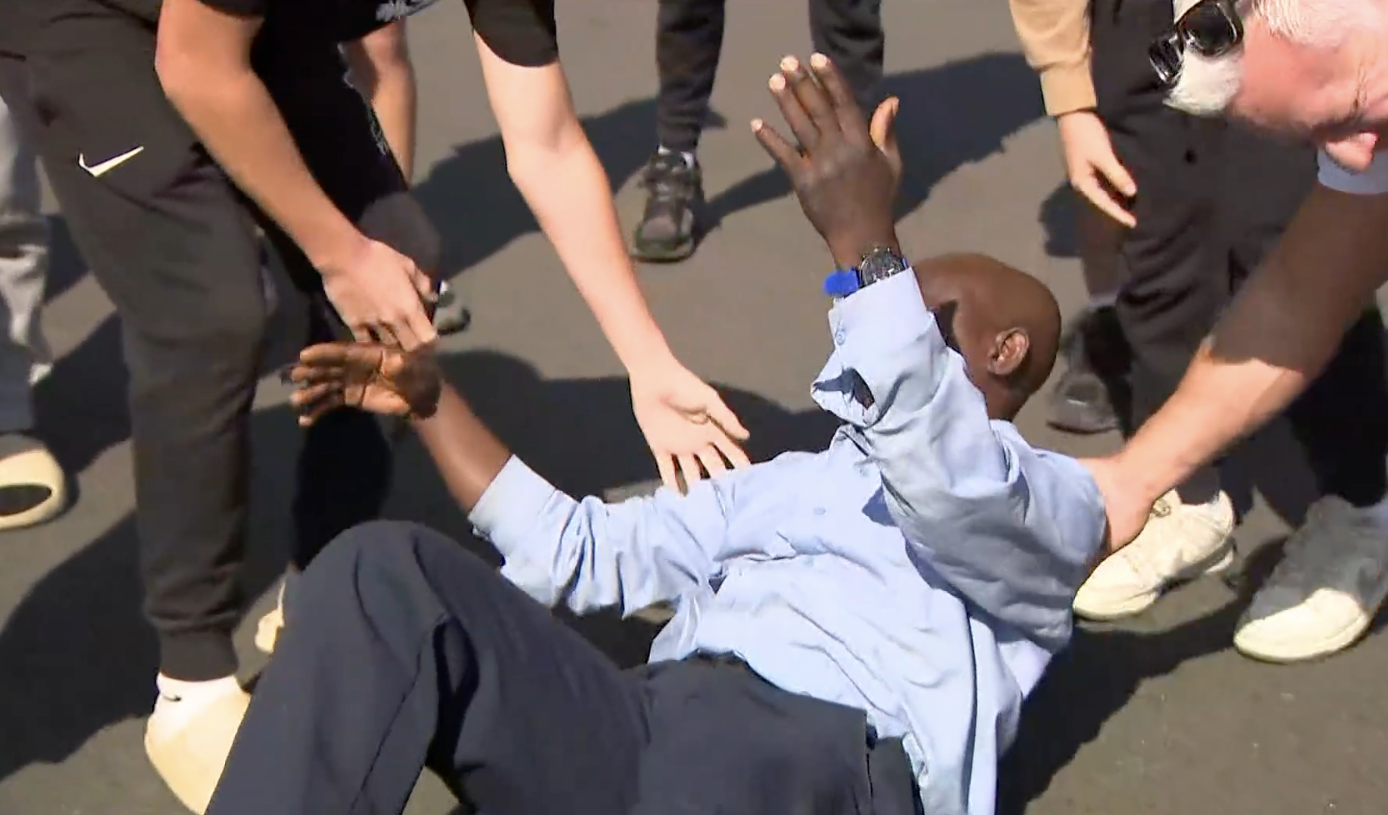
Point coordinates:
pixel 1004 322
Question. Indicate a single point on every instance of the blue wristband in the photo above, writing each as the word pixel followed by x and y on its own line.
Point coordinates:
pixel 841 283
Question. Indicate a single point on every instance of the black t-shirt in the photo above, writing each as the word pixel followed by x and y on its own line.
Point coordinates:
pixel 522 32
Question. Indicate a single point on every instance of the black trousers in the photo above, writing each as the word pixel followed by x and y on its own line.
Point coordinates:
pixel 1213 200
pixel 689 39
pixel 407 652
pixel 176 248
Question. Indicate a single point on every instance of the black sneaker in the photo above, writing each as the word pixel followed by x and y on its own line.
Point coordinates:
pixel 669 229
pixel 1084 399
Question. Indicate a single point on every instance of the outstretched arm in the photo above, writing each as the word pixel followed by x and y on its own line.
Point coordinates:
pixel 552 163
pixel 1272 342
pixel 583 553
pixel 1011 528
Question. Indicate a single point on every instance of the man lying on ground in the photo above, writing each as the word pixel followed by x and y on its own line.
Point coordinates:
pixel 855 629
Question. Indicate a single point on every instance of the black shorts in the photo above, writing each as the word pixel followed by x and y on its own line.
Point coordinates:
pixel 158 221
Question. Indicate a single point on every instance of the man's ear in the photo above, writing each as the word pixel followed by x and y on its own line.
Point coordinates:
pixel 1009 351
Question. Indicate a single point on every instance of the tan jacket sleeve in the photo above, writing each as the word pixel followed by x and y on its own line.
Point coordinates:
pixel 1055 40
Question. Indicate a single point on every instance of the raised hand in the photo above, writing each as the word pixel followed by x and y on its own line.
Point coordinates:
pixel 369 376
pixel 845 171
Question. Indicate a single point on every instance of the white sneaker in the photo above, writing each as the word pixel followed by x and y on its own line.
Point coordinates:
pixel 190 754
pixel 1324 594
pixel 1179 542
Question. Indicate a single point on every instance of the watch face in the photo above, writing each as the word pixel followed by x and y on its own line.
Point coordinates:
pixel 879 264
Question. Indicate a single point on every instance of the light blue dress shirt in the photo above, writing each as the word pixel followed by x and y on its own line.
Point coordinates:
pixel 920 569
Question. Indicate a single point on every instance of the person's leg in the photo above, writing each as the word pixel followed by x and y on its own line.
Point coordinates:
pixel 345 464
pixel 689 40
pixel 408 652
pixel 1334 574
pixel 1333 577
pixel 1176 283
pixel 33 487
pixel 166 237
pixel 1091 393
pixel 849 32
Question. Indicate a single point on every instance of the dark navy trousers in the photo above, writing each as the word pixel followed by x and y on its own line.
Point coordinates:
pixel 404 651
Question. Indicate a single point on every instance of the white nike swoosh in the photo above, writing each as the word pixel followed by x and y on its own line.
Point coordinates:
pixel 98 170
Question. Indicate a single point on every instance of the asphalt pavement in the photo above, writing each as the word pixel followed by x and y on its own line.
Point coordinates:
pixel 1157 715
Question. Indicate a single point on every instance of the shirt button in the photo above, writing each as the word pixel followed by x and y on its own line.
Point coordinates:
pixel 838 337
pixel 819 510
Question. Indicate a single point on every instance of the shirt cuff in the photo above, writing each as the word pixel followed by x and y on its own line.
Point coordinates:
pixel 505 514
pixel 1373 181
pixel 887 314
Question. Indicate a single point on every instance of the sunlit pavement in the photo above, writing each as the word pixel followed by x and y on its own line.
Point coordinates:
pixel 1155 716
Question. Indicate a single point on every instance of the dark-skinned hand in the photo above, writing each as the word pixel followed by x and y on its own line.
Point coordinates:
pixel 846 171
pixel 370 376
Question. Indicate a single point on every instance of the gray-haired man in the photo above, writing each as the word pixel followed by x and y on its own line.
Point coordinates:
pixel 1317 69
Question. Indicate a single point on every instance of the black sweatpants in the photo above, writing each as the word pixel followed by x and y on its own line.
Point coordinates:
pixel 176 248
pixel 1213 200
pixel 689 40
pixel 409 652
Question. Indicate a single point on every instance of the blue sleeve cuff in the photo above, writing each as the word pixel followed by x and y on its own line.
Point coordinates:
pixel 888 314
pixel 507 512
pixel 887 347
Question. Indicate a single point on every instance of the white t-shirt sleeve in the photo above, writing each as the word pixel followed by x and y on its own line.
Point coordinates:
pixel 1373 181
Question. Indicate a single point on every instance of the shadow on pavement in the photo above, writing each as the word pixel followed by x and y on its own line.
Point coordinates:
pixel 1057 218
pixel 984 99
pixel 1096 676
pixel 76 655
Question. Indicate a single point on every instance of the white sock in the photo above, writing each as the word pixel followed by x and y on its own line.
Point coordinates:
pixel 180 700
pixel 687 155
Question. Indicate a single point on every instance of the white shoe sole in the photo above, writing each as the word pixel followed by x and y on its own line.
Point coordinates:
pixel 1288 653
pixel 39 468
pixel 1284 653
pixel 1218 561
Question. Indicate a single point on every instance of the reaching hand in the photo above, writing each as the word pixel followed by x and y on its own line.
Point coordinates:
pixel 380 294
pixel 686 424
pixel 369 376
pixel 845 173
pixel 1127 509
pixel 1093 168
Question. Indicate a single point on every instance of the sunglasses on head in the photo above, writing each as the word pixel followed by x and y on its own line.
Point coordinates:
pixel 1210 28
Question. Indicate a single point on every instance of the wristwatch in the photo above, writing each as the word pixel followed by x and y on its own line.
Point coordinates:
pixel 878 264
